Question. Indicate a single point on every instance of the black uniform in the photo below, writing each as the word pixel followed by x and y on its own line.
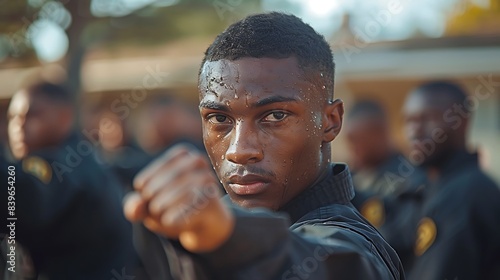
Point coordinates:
pixel 448 229
pixel 372 187
pixel 386 179
pixel 69 214
pixel 328 239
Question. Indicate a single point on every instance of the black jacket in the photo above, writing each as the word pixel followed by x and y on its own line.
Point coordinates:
pixel 450 228
pixel 69 214
pixel 320 235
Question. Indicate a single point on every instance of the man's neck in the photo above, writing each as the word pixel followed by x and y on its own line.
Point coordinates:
pixel 435 170
pixel 323 173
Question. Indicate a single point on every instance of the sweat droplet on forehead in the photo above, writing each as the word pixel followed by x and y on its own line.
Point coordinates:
pixel 220 75
pixel 245 86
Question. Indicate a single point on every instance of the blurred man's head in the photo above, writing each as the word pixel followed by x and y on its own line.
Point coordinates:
pixel 165 120
pixel 40 116
pixel 368 135
pixel 436 122
pixel 112 131
pixel 268 115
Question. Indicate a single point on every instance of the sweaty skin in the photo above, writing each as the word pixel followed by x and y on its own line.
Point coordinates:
pixel 263 128
pixel 266 128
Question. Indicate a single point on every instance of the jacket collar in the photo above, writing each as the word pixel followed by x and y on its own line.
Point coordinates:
pixel 335 188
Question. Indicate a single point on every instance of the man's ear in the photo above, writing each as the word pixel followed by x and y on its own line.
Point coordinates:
pixel 332 120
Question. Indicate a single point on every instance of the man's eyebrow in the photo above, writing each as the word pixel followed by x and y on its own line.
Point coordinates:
pixel 274 99
pixel 209 104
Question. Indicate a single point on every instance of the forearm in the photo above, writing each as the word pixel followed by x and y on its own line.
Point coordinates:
pixel 263 247
pixel 258 245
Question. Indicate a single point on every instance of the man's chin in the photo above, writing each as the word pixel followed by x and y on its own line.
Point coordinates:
pixel 427 160
pixel 251 203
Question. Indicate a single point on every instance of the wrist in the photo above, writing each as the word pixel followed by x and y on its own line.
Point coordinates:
pixel 212 232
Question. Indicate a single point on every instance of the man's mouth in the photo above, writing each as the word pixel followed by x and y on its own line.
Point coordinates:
pixel 249 184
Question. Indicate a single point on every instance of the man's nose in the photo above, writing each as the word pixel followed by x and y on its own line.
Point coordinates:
pixel 245 146
pixel 414 130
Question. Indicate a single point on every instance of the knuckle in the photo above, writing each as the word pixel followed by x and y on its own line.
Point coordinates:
pixel 154 207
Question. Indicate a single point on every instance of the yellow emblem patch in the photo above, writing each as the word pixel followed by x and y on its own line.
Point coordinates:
pixel 426 234
pixel 39 168
pixel 373 211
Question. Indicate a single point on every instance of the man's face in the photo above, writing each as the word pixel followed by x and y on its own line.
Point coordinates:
pixel 426 129
pixel 366 137
pixel 32 120
pixel 262 128
pixel 159 127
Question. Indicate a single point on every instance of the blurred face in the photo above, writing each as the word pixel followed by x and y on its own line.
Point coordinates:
pixel 159 127
pixel 367 140
pixel 431 138
pixel 112 134
pixel 32 123
pixel 264 128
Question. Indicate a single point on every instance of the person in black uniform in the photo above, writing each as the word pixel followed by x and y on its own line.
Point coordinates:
pixel 163 121
pixel 117 150
pixel 447 225
pixel 375 158
pixel 68 208
pixel 268 114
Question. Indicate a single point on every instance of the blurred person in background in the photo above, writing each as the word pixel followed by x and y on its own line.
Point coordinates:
pixel 117 149
pixel 89 117
pixel 266 89
pixel 446 226
pixel 4 139
pixel 372 149
pixel 375 159
pixel 165 120
pixel 68 208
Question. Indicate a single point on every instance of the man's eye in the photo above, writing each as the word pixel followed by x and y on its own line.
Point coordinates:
pixel 219 119
pixel 275 116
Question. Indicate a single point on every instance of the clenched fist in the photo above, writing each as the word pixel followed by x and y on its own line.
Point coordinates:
pixel 178 196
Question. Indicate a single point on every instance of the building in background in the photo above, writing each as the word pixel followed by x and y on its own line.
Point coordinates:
pixel 119 52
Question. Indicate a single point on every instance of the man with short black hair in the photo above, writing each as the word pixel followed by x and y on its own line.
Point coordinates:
pixel 67 208
pixel 375 162
pixel 447 225
pixel 40 116
pixel 375 159
pixel 268 114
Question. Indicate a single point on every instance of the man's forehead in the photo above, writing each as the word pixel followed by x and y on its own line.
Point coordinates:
pixel 249 68
pixel 427 101
pixel 253 77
